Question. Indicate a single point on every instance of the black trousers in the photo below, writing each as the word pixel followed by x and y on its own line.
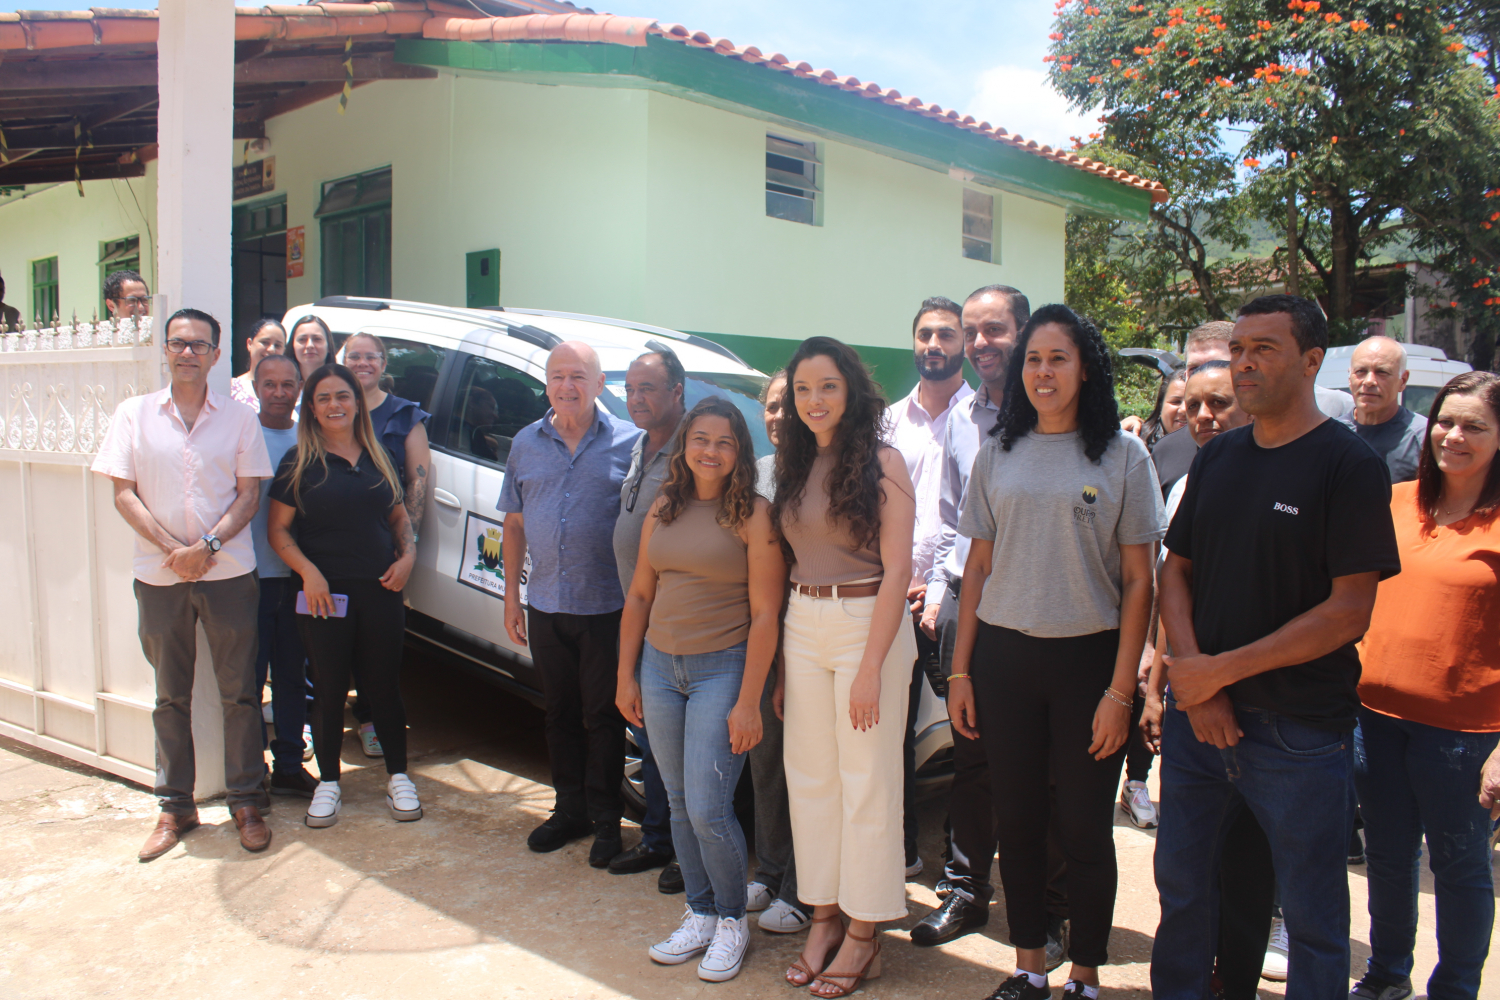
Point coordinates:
pixel 971 810
pixel 927 651
pixel 372 635
pixel 578 658
pixel 1036 700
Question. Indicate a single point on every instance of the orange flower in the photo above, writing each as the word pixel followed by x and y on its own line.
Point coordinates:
pixel 1335 139
pixel 1455 46
pixel 1303 71
pixel 1158 32
pixel 1193 61
pixel 1263 25
pixel 1332 18
pixel 1358 26
pixel 1115 63
pixel 1311 6
pixel 1252 162
pixel 1056 36
pixel 1095 79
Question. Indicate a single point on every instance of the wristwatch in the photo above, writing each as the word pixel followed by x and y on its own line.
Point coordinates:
pixel 213 543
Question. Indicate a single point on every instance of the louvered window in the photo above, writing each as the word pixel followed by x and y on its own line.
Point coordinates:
pixel 791 179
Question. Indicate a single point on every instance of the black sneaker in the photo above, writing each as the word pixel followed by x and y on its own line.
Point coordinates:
pixel 1018 987
pixel 298 783
pixel 607 843
pixel 1073 990
pixel 1374 989
pixel 669 882
pixel 556 832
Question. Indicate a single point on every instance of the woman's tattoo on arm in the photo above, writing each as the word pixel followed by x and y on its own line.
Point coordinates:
pixel 416 497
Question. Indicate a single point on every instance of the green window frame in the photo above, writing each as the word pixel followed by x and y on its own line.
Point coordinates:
pixel 45 301
pixel 354 216
pixel 123 254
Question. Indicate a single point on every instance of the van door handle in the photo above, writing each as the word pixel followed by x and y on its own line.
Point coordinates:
pixel 446 499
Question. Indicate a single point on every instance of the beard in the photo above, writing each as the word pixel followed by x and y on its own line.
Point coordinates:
pixel 951 367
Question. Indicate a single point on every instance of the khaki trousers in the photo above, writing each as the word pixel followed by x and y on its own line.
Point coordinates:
pixel 844 786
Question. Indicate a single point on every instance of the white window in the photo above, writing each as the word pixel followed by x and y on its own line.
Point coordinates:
pixel 791 179
pixel 979 226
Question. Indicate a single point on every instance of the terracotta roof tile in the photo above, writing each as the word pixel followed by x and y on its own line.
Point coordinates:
pixel 436 19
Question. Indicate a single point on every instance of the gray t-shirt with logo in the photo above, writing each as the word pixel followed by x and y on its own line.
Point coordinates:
pixel 1058 521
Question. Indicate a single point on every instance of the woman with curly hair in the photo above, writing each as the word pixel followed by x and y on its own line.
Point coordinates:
pixel 1063 510
pixel 844 504
pixel 704 601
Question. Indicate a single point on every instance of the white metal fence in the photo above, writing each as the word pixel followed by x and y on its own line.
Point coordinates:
pixel 72 677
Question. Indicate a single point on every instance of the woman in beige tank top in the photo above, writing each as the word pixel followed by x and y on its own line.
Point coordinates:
pixel 844 505
pixel 704 601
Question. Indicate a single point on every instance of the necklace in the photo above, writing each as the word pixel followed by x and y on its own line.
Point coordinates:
pixel 1450 513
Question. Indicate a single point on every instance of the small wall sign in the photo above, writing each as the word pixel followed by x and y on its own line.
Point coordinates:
pixel 296 246
pixel 255 178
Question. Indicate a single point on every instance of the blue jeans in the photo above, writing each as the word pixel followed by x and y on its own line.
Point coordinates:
pixel 687 700
pixel 280 652
pixel 656 825
pixel 1295 779
pixel 1413 777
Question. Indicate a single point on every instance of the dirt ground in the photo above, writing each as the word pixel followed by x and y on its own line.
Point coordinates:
pixel 451 906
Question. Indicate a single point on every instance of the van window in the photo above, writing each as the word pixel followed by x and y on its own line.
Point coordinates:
pixel 494 401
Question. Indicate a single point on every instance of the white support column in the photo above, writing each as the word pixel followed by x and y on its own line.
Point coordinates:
pixel 194 192
pixel 195 139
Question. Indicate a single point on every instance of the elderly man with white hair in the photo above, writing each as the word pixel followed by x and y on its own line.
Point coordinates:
pixel 1377 374
pixel 560 499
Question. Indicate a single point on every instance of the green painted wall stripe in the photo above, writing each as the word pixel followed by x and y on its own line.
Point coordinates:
pixel 706 77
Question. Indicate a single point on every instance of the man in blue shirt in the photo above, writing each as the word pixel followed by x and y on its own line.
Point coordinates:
pixel 561 497
pixel 278 383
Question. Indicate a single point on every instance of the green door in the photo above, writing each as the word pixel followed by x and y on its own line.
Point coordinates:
pixel 482 278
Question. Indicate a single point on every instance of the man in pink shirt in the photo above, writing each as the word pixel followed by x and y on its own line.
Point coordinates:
pixel 187 464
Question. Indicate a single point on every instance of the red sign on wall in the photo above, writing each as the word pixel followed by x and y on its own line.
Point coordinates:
pixel 296 244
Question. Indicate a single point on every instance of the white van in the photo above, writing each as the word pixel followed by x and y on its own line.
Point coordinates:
pixel 481 373
pixel 1429 366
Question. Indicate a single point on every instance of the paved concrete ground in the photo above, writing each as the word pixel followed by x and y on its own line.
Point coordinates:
pixel 452 906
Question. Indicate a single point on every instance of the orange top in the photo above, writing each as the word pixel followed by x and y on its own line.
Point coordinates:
pixel 1432 654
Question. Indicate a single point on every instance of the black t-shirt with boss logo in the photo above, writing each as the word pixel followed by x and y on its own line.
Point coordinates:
pixel 1267 530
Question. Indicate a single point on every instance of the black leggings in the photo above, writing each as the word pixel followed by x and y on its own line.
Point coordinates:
pixel 372 635
pixel 1036 700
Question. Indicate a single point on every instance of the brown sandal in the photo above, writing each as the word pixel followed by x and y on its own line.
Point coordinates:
pixel 801 965
pixel 870 971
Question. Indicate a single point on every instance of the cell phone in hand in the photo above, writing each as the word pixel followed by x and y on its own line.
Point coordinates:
pixel 340 604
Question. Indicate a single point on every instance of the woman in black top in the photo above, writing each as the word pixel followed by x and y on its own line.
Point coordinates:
pixel 353 551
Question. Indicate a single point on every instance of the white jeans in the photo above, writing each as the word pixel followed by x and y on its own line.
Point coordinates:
pixel 844 786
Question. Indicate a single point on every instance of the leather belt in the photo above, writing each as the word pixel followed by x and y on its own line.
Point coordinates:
pixel 838 590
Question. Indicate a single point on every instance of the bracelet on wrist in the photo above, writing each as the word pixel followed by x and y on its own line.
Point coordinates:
pixel 1117 697
pixel 959 677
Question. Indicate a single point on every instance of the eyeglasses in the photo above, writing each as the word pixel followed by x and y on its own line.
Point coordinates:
pixel 178 346
pixel 635 488
pixel 139 301
pixel 363 357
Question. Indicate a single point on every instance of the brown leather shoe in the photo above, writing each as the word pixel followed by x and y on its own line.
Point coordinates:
pixel 254 834
pixel 169 830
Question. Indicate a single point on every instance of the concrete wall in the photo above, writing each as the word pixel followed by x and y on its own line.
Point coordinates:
pixel 55 222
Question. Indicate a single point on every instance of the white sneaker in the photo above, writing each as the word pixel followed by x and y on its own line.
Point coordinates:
pixel 1274 967
pixel 782 917
pixel 914 869
pixel 1135 802
pixel 757 896
pixel 369 742
pixel 692 938
pixel 726 953
pixel 324 808
pixel 401 799
pixel 307 744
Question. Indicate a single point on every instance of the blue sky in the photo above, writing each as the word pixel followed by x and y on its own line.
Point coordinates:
pixel 982 57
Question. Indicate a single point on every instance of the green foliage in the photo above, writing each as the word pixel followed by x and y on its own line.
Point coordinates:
pixel 1368 124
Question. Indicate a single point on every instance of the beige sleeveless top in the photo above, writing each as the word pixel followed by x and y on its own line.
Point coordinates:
pixel 825 552
pixel 702 583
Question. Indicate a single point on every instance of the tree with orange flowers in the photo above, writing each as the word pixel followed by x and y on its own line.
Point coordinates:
pixel 1365 123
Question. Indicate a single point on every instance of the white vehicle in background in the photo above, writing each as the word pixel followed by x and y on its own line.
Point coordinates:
pixel 481 373
pixel 1429 366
